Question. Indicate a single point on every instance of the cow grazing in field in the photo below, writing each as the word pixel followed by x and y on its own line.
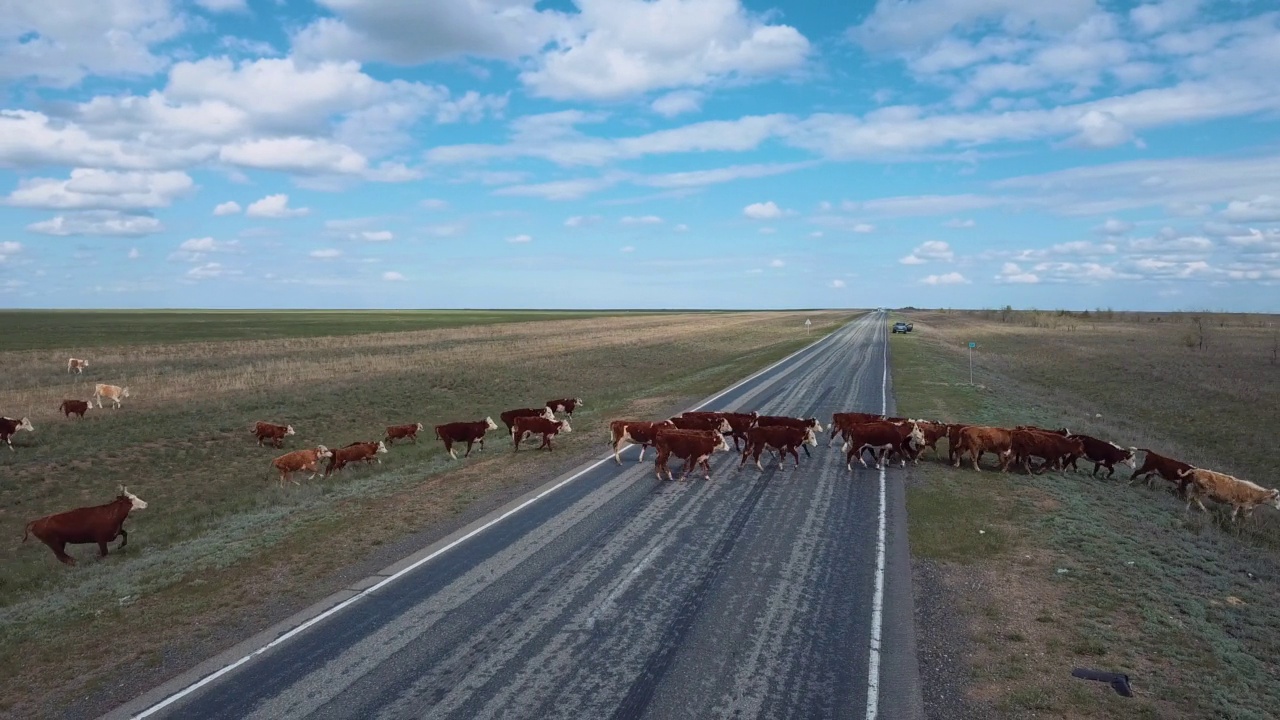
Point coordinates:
pixel 1103 454
pixel 636 432
pixel 976 440
pixel 1056 450
pixel 356 451
pixel 10 426
pixel 300 460
pixel 526 426
pixel 715 423
pixel 268 431
pixel 882 438
pixel 402 432
pixel 99 524
pixel 739 423
pixel 508 418
pixel 114 393
pixel 1240 494
pixel 782 438
pixel 564 405
pixel 695 447
pixel 76 365
pixel 1168 468
pixel 74 407
pixel 464 432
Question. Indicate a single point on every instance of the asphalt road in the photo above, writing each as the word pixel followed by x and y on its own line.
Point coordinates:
pixel 753 595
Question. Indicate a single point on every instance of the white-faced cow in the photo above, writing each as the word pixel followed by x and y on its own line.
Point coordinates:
pixel 76 365
pixel 99 524
pixel 299 461
pixel 526 426
pixel 403 432
pixel 636 432
pixel 1103 454
pixel 564 405
pixel 10 426
pixel 114 393
pixel 695 447
pixel 74 407
pixel 464 432
pixel 508 417
pixel 1239 494
pixel 782 438
pixel 269 431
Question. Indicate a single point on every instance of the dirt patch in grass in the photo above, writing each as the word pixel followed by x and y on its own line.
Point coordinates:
pixel 1093 573
pixel 223 552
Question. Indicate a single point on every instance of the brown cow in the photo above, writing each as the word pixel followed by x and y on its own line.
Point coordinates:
pixel 953 442
pixel 695 447
pixel 637 432
pixel 1240 494
pixel 400 432
pixel 77 365
pixel 548 429
pixel 467 432
pixel 564 405
pixel 10 426
pixel 1056 450
pixel 739 423
pixel 977 439
pixel 508 418
pixel 782 438
pixel 300 460
pixel 1103 454
pixel 716 423
pixel 99 524
pixel 882 438
pixel 842 421
pixel 1167 468
pixel 366 451
pixel 269 431
pixel 74 407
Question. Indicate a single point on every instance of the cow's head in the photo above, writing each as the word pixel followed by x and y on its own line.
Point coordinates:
pixel 916 438
pixel 288 430
pixel 489 424
pixel 547 413
pixel 1132 459
pixel 1274 498
pixel 813 423
pixel 324 452
pixel 724 426
pixel 578 402
pixel 382 447
pixel 811 437
pixel 25 424
pixel 1077 446
pixel 135 502
pixel 420 426
pixel 564 426
pixel 721 444
pixel 124 392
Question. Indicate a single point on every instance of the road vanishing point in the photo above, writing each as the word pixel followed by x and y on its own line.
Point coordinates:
pixel 609 594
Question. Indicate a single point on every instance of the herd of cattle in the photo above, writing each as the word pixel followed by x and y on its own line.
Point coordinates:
pixel 693 437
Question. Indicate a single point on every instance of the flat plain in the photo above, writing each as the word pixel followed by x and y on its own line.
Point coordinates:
pixel 1060 570
pixel 222 550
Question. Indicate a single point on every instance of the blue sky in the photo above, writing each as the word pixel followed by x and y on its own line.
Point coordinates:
pixel 640 153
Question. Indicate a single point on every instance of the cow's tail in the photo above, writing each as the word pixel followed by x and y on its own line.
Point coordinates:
pixel 438 434
pixel 27 531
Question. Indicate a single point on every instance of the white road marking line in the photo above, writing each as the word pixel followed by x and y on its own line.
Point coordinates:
pixel 392 578
pixel 877 602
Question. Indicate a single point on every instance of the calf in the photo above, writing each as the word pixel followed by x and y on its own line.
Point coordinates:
pixel 9 427
pixel 932 432
pixel 1167 468
pixel 714 423
pixel 564 405
pixel 366 451
pixel 976 440
pixel 77 365
pixel 739 423
pixel 508 418
pixel 114 393
pixel 1103 454
pixel 548 429
pixel 783 438
pixel 695 447
pixel 882 438
pixel 842 421
pixel 99 524
pixel 467 432
pixel 1240 494
pixel 401 432
pixel 268 431
pixel 74 407
pixel 300 460
pixel 784 421
pixel 1056 450
pixel 637 432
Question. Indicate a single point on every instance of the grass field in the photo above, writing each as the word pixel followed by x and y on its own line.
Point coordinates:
pixel 1062 570
pixel 222 551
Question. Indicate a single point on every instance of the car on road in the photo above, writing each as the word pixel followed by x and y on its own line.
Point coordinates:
pixel 902 327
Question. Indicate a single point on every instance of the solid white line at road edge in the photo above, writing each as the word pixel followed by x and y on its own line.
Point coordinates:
pixel 392 578
pixel 877 601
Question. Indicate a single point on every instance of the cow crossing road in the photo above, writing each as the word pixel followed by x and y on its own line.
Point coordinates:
pixel 620 596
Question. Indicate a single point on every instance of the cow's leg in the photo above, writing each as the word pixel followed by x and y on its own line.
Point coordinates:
pixel 744 455
pixel 468 453
pixel 974 455
pixel 806 452
pixel 546 442
pixel 756 452
pixel 99 399
pixel 643 447
pixel 481 441
pixel 9 441
pixel 796 455
pixel 124 539
pixel 102 549
pixel 1111 470
pixel 60 550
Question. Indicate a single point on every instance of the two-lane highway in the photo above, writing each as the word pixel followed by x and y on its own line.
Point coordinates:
pixel 755 595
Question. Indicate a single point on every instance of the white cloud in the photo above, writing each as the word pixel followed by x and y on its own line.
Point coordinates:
pixel 837 283
pixel 274 206
pixel 209 271
pixel 678 103
pixel 776 263
pixel 98 222
pixel 628 248
pixel 197 249
pixel 1114 227
pixel 446 230
pixel 959 223
pixel 768 230
pixel 1264 208
pixel 929 251
pixel 393 276
pixel 700 178
pixel 581 220
pixel 134 254
pixel 763 211
pixel 911 205
pixel 898 26
pixel 816 234
pixel 681 228
pixel 519 239
pixel 1013 273
pixel 641 220
pixel 433 204
pixel 952 278
pixel 89 189
pixel 222 6
pixel 1171 243
pixel 325 254
pixel 559 189
pixel 230 207
pixel 1099 129
pixel 9 248
pixel 377 235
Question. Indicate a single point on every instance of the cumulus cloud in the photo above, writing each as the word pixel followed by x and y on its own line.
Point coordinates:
pixel 628 248
pixel 577 221
pixel 433 204
pixel 1114 227
pixel 98 222
pixel 222 6
pixel 763 211
pixel 376 235
pixel 197 249
pixel 641 220
pixel 274 206
pixel 837 283
pixel 678 103
pixel 134 254
pixel 681 228
pixel 929 251
pixel 231 207
pixel 1264 208
pixel 393 276
pixel 326 253
pixel 959 223
pixel 9 248
pixel 1013 273
pixel 210 271
pixel 520 239
pixel 89 189
pixel 952 278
